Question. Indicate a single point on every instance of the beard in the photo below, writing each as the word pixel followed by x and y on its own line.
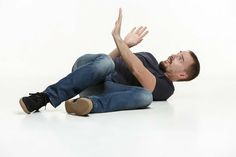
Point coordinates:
pixel 162 66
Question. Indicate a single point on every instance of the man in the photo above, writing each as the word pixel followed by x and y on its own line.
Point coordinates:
pixel 118 81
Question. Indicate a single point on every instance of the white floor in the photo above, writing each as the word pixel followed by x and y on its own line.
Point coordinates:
pixel 198 121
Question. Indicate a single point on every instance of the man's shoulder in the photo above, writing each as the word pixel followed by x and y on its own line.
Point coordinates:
pixel 144 53
pixel 149 57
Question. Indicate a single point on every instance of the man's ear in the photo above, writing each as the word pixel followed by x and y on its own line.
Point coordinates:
pixel 183 75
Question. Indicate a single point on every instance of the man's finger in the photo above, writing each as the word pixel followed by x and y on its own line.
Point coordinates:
pixel 133 30
pixel 138 30
pixel 120 11
pixel 142 30
pixel 145 33
pixel 120 15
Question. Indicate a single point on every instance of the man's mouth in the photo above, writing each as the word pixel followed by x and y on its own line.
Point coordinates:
pixel 169 60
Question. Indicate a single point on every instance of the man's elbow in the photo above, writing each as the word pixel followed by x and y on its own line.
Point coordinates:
pixel 147 80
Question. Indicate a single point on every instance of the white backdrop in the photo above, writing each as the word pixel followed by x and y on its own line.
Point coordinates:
pixel 41 39
pixel 44 38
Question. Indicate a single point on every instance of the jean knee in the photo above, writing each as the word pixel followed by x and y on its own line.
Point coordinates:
pixel 82 60
pixel 144 97
pixel 106 64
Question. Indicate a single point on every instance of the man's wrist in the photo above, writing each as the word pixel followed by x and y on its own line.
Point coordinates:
pixel 117 37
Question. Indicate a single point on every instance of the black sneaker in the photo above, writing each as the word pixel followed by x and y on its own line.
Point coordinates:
pixel 34 102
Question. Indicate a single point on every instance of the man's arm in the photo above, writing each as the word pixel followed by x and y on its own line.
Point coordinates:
pixel 134 37
pixel 115 53
pixel 146 78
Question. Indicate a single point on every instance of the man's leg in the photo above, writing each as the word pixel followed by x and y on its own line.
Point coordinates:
pixel 84 74
pixel 83 60
pixel 113 97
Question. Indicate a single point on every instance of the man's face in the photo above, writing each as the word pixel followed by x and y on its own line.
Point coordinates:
pixel 176 64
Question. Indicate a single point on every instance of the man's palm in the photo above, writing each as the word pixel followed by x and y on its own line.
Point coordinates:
pixel 135 36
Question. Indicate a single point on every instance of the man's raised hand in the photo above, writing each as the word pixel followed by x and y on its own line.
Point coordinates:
pixel 135 36
pixel 117 28
pixel 132 38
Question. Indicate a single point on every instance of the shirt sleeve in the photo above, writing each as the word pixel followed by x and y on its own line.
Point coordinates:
pixel 163 90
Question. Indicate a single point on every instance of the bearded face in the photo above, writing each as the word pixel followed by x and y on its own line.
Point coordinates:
pixel 165 65
pixel 176 64
pixel 162 66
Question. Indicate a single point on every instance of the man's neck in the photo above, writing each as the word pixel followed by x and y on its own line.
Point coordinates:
pixel 170 76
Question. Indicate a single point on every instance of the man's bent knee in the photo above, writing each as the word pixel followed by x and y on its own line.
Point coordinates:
pixel 89 58
pixel 106 63
pixel 145 98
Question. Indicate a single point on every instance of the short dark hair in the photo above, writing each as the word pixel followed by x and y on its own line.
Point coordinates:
pixel 194 69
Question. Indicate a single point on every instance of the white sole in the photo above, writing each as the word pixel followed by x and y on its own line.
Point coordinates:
pixel 22 104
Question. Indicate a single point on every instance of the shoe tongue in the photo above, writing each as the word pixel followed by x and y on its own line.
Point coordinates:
pixel 46 97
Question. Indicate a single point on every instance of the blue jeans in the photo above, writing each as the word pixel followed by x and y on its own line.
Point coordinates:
pixel 91 77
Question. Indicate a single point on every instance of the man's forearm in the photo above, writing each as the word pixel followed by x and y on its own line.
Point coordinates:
pixel 115 53
pixel 129 58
